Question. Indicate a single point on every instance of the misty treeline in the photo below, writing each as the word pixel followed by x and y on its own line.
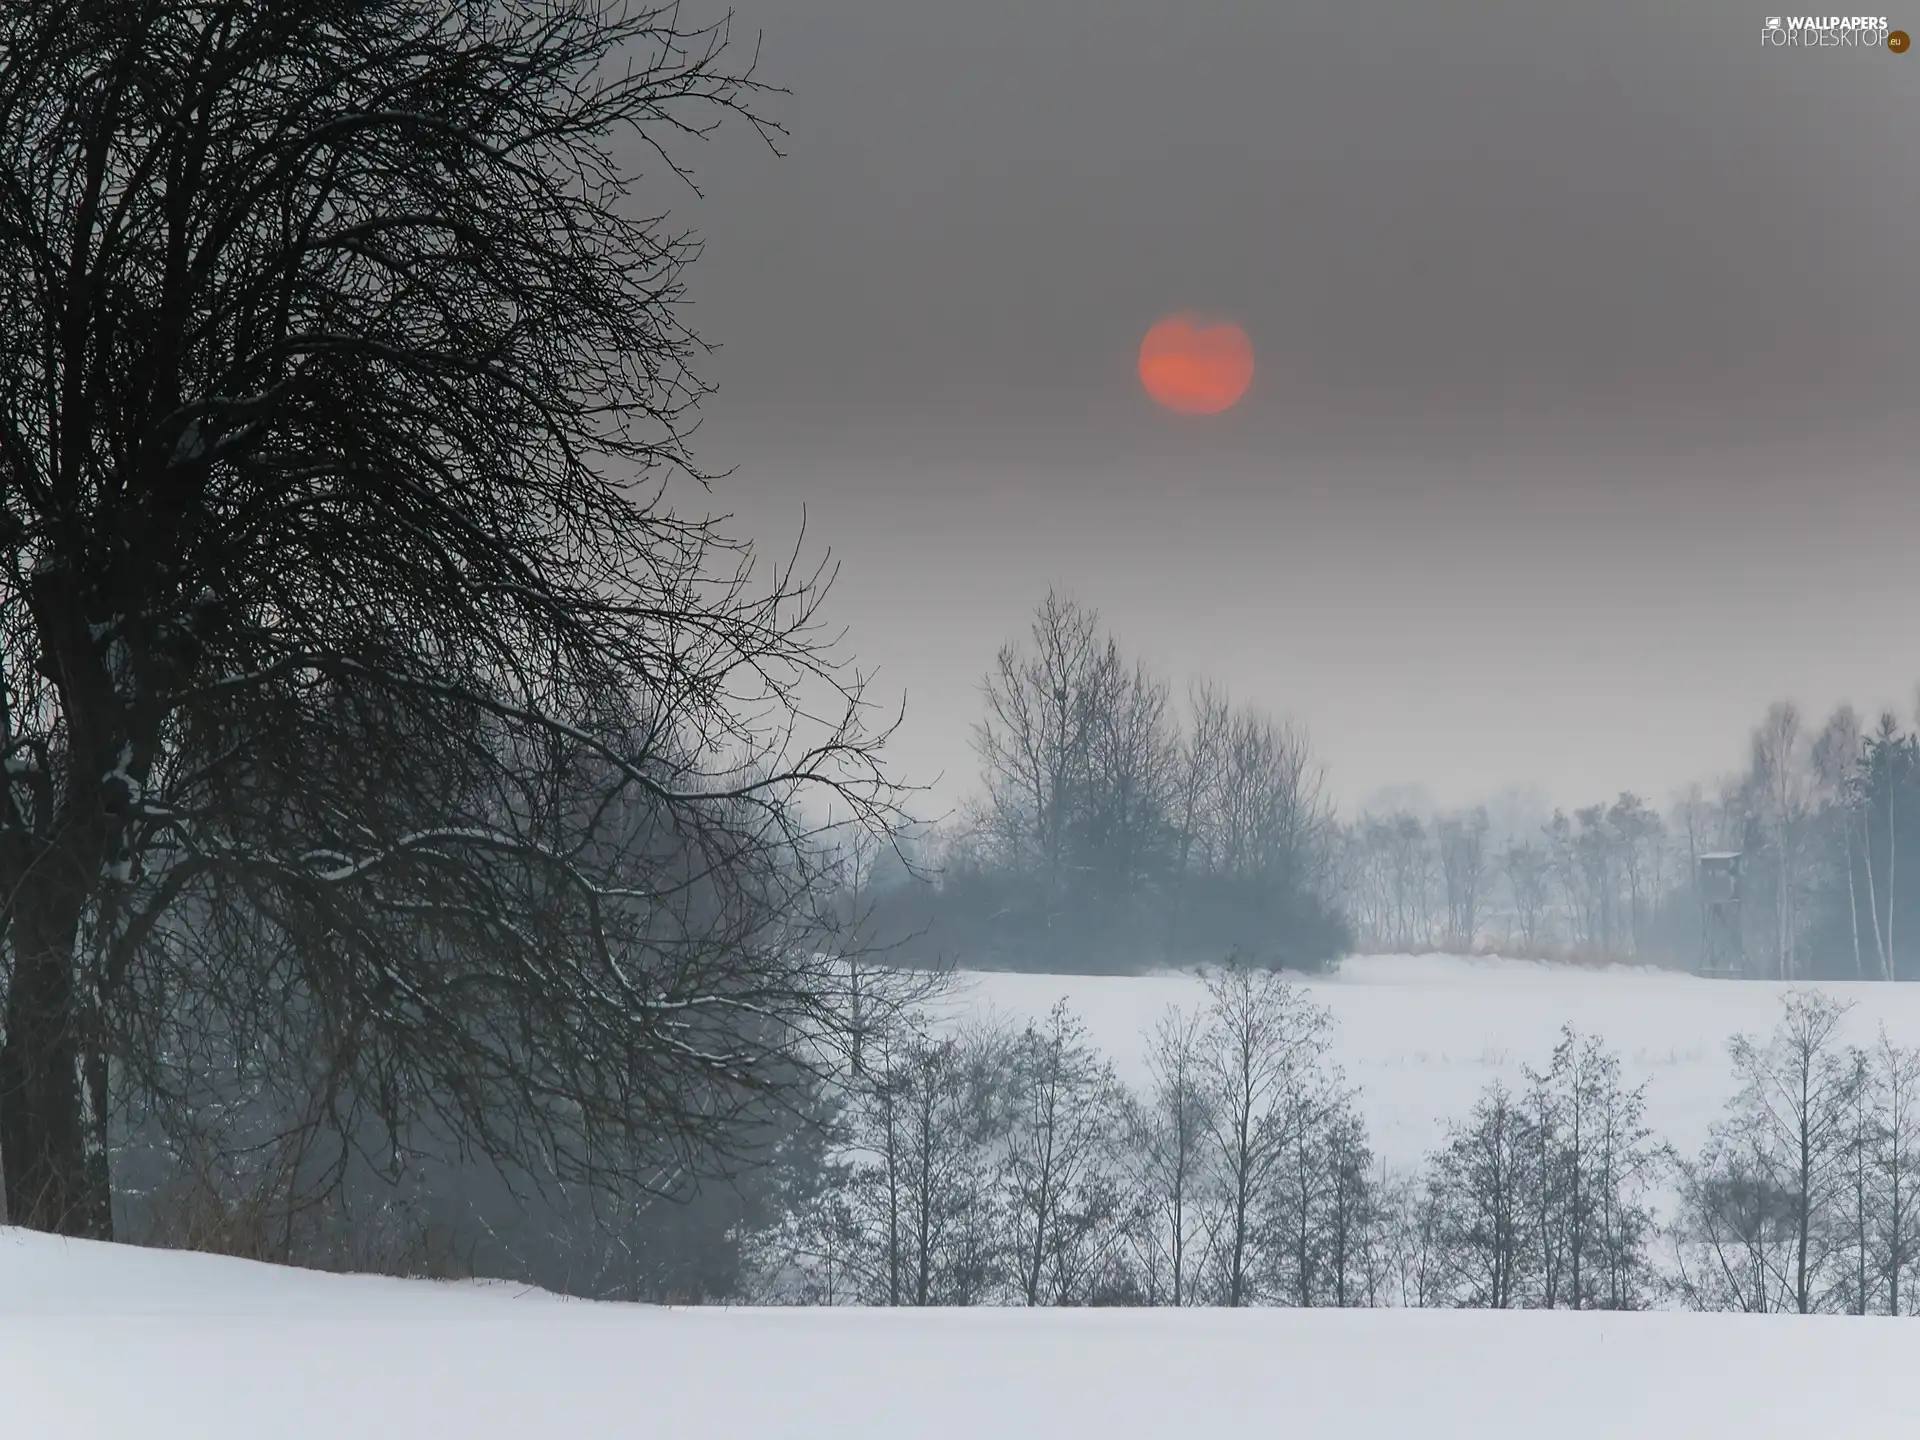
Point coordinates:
pixel 1118 825
pixel 1826 820
pixel 995 1164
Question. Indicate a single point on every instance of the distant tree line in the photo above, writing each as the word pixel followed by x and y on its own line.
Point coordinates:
pixel 1117 828
pixel 1826 823
pixel 1002 1165
pixel 1605 881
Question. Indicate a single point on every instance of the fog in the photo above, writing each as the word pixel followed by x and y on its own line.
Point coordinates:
pixel 1362 747
pixel 1583 344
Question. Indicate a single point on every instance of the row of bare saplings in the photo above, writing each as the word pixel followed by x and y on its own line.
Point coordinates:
pixel 1003 1165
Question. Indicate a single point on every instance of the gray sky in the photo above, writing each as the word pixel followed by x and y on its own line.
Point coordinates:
pixel 1585 344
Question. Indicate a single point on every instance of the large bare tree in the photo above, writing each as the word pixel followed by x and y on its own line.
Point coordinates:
pixel 370 717
pixel 1043 704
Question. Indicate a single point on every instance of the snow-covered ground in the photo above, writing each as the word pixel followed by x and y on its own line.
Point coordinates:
pixel 100 1340
pixel 1421 1035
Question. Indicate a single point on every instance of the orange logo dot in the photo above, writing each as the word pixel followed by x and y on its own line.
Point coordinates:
pixel 1897 41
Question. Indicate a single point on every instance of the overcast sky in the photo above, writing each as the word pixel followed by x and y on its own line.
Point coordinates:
pixel 1586 357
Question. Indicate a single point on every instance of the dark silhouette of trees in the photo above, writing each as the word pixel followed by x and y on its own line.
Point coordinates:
pixel 371 721
pixel 1115 831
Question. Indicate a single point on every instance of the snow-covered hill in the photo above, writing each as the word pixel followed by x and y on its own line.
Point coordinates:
pixel 99 1341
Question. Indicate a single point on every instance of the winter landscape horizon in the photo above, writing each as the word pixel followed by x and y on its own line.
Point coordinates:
pixel 970 718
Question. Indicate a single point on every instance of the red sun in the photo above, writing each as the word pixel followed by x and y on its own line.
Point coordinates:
pixel 1194 368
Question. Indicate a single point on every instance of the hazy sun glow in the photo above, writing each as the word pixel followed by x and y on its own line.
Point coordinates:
pixel 1196 368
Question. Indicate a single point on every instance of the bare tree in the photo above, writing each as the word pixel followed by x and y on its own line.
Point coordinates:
pixel 1855 1282
pixel 1886 768
pixel 1636 833
pixel 363 702
pixel 1406 849
pixel 1570 866
pixel 1125 839
pixel 1263 1040
pixel 1758 1227
pixel 1835 759
pixel 1590 862
pixel 1169 1129
pixel 1594 1160
pixel 935 1124
pixel 1199 767
pixel 1779 781
pixel 1355 1215
pixel 1065 1201
pixel 1042 711
pixel 1270 812
pixel 1483 1191
pixel 1528 872
pixel 1893 1080
pixel 855 858
pixel 1463 869
pixel 1317 1213
pixel 1875 1244
pixel 1410 1265
pixel 1262 846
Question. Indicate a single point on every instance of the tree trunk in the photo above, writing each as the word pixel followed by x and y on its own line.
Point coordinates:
pixel 1873 898
pixel 1853 908
pixel 1783 913
pixel 1179 1234
pixel 1891 890
pixel 52 1081
pixel 893 1191
pixel 1803 1217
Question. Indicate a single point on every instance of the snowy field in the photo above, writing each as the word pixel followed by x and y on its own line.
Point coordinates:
pixel 99 1340
pixel 1421 1035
